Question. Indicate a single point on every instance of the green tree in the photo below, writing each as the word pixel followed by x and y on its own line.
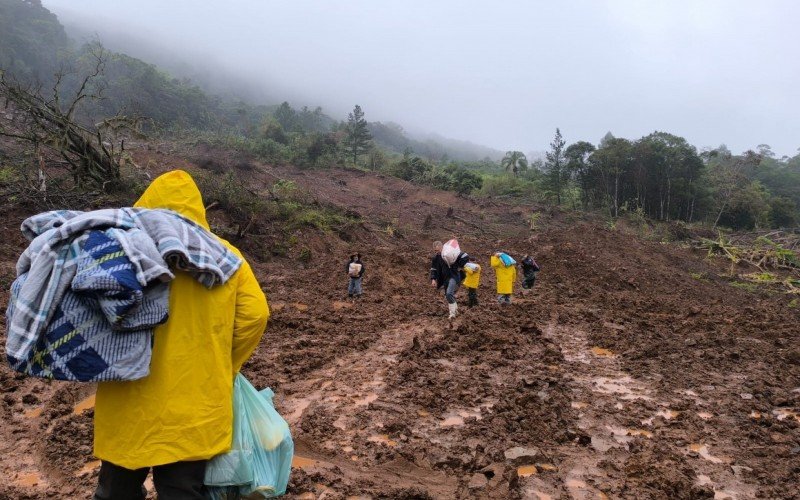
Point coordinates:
pixel 610 165
pixel 271 129
pixel 749 208
pixel 514 161
pixel 606 140
pixel 783 212
pixel 32 41
pixel 357 140
pixel 555 167
pixel 577 157
pixel 665 177
pixel 287 117
pixel 728 176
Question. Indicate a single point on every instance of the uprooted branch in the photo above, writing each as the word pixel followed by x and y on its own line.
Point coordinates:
pixel 94 155
pixel 762 252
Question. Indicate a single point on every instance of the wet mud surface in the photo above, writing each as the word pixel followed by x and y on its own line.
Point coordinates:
pixel 619 376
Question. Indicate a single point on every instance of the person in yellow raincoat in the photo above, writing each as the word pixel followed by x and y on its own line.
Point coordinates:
pixel 181 414
pixel 471 282
pixel 506 276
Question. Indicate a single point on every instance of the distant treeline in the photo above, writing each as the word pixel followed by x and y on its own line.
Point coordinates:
pixel 663 177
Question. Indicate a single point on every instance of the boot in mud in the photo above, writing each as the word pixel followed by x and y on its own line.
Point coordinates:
pixel 453 309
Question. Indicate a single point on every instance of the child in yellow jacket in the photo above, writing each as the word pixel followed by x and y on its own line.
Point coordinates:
pixel 472 280
pixel 506 275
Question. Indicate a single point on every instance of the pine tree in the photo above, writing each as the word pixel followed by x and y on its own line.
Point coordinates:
pixel 358 137
pixel 555 167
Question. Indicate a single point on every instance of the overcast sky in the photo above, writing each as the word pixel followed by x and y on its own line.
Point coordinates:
pixel 502 73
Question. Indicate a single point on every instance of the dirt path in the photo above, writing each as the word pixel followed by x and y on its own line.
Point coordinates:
pixel 620 414
pixel 352 383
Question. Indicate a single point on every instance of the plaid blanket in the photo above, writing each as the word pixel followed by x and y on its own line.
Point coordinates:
pixel 91 286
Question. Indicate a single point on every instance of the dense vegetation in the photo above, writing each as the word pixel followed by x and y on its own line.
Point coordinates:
pixel 660 176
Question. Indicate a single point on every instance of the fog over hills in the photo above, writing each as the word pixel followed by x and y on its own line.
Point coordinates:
pixel 505 76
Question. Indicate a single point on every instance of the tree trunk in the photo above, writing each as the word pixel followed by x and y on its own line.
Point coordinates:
pixel 719 215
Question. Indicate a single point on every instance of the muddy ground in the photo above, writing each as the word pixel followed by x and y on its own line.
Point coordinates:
pixel 633 370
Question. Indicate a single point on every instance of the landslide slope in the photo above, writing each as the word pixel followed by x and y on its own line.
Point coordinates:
pixel 621 375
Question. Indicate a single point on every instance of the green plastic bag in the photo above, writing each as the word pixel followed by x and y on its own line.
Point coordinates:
pixel 260 459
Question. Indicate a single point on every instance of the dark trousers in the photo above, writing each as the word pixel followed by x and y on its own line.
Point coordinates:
pixel 472 297
pixel 177 481
pixel 529 280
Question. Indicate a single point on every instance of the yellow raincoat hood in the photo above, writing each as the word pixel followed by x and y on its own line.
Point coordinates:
pixel 183 410
pixel 175 191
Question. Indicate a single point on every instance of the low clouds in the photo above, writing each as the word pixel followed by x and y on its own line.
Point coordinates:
pixel 504 74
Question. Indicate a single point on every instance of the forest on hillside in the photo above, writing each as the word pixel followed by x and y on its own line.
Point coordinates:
pixel 660 176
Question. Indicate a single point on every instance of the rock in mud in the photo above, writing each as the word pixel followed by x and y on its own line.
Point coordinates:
pixel 519 455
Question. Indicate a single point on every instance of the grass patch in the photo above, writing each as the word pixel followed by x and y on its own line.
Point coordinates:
pixel 762 277
pixel 750 287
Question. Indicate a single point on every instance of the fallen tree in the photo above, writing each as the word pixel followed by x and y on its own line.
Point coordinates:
pixel 766 251
pixel 93 154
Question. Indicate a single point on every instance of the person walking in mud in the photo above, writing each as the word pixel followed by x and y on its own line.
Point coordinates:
pixel 472 280
pixel 505 269
pixel 355 271
pixel 180 415
pixel 448 276
pixel 529 271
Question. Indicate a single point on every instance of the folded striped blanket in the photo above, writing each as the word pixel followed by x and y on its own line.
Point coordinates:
pixel 92 286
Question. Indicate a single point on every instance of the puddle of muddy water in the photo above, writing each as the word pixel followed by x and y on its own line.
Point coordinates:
pixel 29 480
pixel 527 470
pixel 625 387
pixel 382 439
pixel 702 450
pixel 300 406
pixel 665 414
pixel 625 436
pixel 84 405
pixel 34 413
pixel 366 400
pixel 602 352
pixel 88 468
pixel 704 480
pixel 578 405
pixel 454 419
pixel 299 462
pixel 705 415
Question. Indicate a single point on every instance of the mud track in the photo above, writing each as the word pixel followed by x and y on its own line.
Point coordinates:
pixel 622 375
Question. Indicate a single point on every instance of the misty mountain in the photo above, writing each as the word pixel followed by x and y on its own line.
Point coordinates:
pixel 230 89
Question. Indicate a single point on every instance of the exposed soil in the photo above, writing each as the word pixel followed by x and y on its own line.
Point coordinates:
pixel 620 376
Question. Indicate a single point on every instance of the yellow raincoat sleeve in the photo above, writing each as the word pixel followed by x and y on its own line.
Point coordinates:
pixel 252 313
pixel 494 260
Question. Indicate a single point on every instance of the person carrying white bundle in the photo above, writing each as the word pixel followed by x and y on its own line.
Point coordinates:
pixel 447 271
pixel 355 270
